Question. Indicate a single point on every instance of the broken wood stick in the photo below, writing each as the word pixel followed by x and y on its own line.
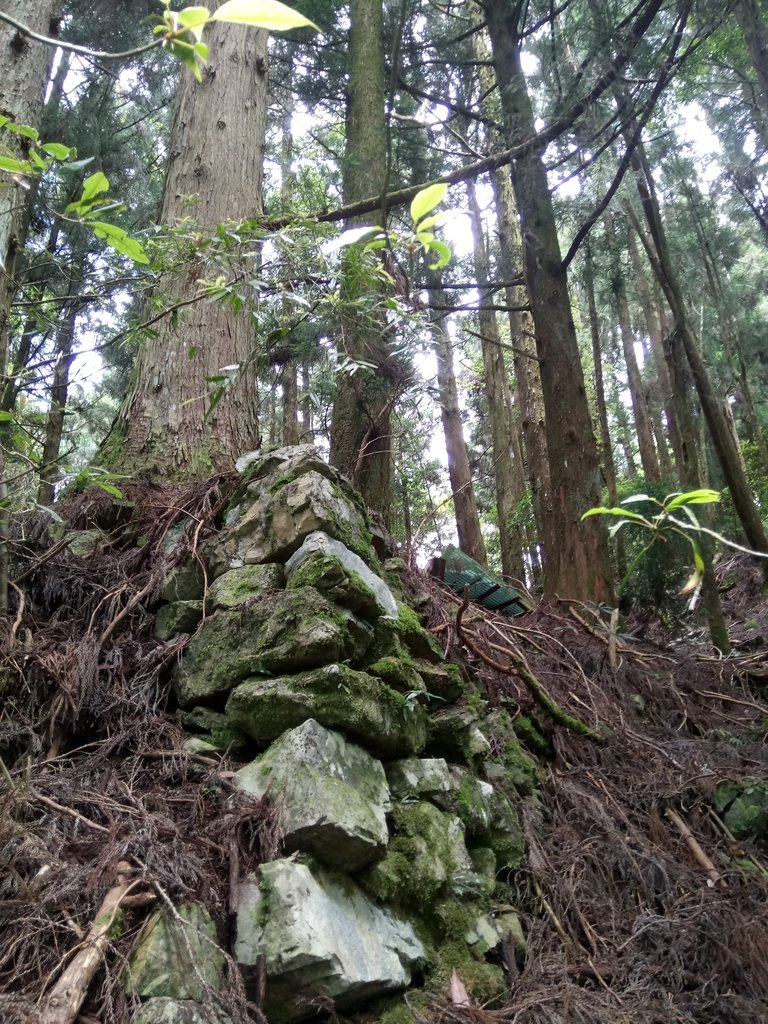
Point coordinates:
pixel 64 1000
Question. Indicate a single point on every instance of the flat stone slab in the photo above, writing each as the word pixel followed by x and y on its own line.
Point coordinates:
pixel 361 707
pixel 235 587
pixel 333 795
pixel 320 935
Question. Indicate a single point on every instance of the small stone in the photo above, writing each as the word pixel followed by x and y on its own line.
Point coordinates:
pixel 84 542
pixel 420 777
pixel 185 582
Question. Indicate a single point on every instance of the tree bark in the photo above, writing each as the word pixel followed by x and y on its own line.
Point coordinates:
pixel 609 467
pixel 361 442
pixel 753 27
pixel 722 440
pixel 288 381
pixel 577 565
pixel 462 492
pixel 499 409
pixel 166 426
pixel 643 427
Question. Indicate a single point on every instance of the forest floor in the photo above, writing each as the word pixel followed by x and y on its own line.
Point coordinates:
pixel 638 904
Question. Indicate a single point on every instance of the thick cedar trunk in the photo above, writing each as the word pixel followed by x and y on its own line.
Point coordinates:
pixel 216 155
pixel 361 443
pixel 526 365
pixel 463 495
pixel 755 31
pixel 576 564
pixel 609 467
pixel 722 440
pixel 499 409
pixel 654 328
pixel 643 427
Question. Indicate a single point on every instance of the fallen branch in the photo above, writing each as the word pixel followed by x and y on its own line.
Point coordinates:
pixel 521 669
pixel 715 877
pixel 68 994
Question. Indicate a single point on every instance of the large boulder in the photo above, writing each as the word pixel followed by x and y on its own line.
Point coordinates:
pixel 333 795
pixel 286 631
pixel 358 705
pixel 177 957
pixel 281 514
pixel 327 564
pixel 320 935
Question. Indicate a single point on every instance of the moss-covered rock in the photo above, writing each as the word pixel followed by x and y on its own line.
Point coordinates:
pixel 179 617
pixel 185 582
pixel 426 857
pixel 509 763
pixel 283 632
pixel 216 728
pixel 358 705
pixel 329 566
pixel 399 673
pixel 175 1011
pixel 333 795
pixel 743 807
pixel 454 734
pixel 236 586
pixel 177 957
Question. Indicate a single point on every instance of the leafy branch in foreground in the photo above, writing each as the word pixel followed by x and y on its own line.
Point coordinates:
pixel 664 524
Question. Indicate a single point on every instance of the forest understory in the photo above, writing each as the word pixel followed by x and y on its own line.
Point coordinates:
pixel 637 902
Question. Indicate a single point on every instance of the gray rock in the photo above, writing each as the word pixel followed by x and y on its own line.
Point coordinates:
pixel 177 957
pixel 333 795
pixel 172 1011
pixel 470 799
pixel 83 542
pixel 320 935
pixel 243 584
pixel 278 520
pixel 185 582
pixel 290 461
pixel 283 632
pixel 176 618
pixel 329 565
pixel 356 704
pixel 219 733
pixel 415 776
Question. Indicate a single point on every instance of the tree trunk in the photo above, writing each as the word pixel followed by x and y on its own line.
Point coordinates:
pixel 727 452
pixel 643 427
pixel 166 426
pixel 361 443
pixel 288 382
pixel 526 364
pixel 499 410
pixel 463 495
pixel 577 566
pixel 653 326
pixel 609 467
pixel 753 27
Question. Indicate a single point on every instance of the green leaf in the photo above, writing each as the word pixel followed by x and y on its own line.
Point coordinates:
pixel 109 488
pixel 636 498
pixel 37 160
pixel 201 49
pixel 424 238
pixel 704 496
pixel 185 53
pixel 5 417
pixel 24 130
pixel 444 254
pixel 434 221
pixel 269 14
pixel 622 513
pixel 93 186
pixel 4 120
pixel 120 241
pixel 57 150
pixel 426 200
pixel 350 237
pixel 15 166
pixel 76 165
pixel 193 19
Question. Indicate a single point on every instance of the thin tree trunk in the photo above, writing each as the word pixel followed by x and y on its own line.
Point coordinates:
pixel 754 29
pixel 727 452
pixel 577 565
pixel 166 425
pixel 288 382
pixel 653 326
pixel 643 427
pixel 463 495
pixel 609 468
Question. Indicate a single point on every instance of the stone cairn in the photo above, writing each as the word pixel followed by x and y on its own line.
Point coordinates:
pixel 397 792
